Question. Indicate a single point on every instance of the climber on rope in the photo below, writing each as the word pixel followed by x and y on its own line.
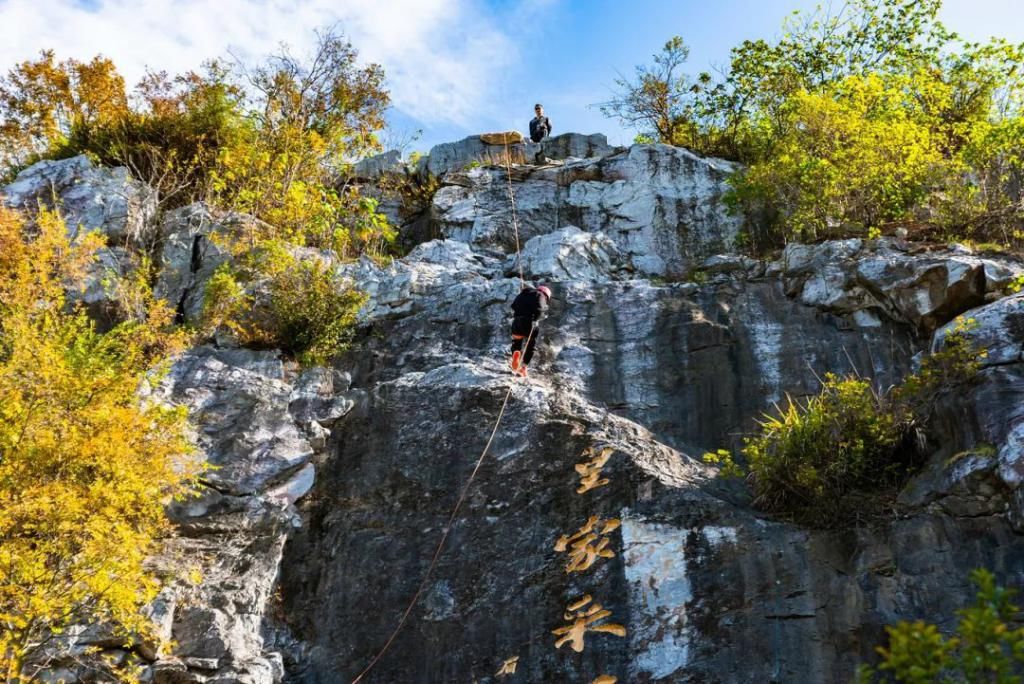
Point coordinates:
pixel 528 309
pixel 540 125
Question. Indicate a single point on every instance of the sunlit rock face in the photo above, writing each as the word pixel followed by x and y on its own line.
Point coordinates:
pixel 333 486
pixel 656 365
pixel 659 205
pixel 89 197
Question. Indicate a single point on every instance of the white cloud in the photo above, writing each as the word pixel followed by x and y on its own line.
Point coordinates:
pixel 444 59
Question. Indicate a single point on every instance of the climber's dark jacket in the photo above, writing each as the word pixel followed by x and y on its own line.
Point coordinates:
pixel 540 128
pixel 529 307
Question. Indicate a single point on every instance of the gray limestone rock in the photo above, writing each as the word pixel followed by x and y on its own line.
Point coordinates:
pixel 232 532
pixel 378 165
pixel 568 254
pixel 660 205
pixel 89 197
pixel 926 289
pixel 189 256
pixel 247 433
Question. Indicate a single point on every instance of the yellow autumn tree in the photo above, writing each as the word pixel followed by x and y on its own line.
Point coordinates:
pixel 289 164
pixel 42 100
pixel 86 463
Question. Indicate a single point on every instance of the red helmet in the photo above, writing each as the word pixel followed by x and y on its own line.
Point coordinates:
pixel 545 290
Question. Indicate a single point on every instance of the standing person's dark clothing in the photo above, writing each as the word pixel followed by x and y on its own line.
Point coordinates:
pixel 540 128
pixel 528 309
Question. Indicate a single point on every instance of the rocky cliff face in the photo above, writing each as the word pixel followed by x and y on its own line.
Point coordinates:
pixel 335 485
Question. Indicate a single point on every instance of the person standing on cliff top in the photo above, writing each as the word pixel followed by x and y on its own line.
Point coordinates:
pixel 540 125
pixel 528 309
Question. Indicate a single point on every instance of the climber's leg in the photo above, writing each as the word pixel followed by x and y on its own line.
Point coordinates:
pixel 517 351
pixel 521 327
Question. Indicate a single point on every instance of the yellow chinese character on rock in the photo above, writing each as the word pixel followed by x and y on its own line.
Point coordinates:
pixel 508 667
pixel 590 471
pixel 587 544
pixel 605 679
pixel 581 620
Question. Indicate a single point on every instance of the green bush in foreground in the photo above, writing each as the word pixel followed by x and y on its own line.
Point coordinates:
pixel 984 648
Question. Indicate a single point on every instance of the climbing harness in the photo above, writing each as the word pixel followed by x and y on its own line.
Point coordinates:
pixel 479 461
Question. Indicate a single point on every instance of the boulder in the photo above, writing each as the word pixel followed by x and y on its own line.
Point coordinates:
pixel 998 328
pixel 925 289
pixel 378 165
pixel 477 150
pixel 247 434
pixel 251 424
pixel 98 290
pixel 90 198
pixel 660 205
pixel 502 138
pixel 574 146
pixel 190 253
pixel 567 254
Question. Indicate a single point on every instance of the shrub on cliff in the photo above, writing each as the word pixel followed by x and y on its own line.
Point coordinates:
pixel 274 140
pixel 807 460
pixel 274 299
pixel 86 465
pixel 174 141
pixel 820 460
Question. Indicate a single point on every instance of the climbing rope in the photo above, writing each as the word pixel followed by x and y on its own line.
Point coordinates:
pixel 515 221
pixel 444 536
pixel 483 454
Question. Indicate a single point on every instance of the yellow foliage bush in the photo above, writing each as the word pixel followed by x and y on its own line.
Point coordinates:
pixel 86 464
pixel 854 156
pixel 275 142
pixel 859 115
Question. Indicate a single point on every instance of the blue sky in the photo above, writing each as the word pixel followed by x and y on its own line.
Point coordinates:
pixel 455 67
pixel 570 55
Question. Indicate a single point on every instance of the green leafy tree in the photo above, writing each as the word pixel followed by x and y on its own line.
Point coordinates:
pixel 817 49
pixel 854 155
pixel 861 115
pixel 307 120
pixel 661 99
pixel 173 139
